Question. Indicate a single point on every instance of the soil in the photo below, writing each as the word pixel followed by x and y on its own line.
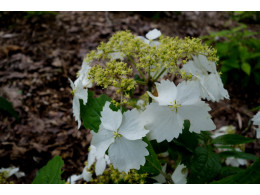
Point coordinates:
pixel 38 53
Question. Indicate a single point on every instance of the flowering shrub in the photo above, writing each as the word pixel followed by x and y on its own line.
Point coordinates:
pixel 168 124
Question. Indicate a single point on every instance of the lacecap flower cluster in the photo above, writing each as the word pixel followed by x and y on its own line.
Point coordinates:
pixel 179 74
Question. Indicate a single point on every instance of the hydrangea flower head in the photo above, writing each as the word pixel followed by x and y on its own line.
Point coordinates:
pixel 122 136
pixel 175 104
pixel 205 73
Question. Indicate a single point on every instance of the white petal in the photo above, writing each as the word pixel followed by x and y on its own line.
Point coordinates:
pixel 187 92
pixel 131 127
pixel 127 154
pixel 242 161
pixel 12 171
pixel 91 155
pixel 258 133
pixel 111 120
pixel 71 84
pixel 155 43
pixel 143 39
pixel 100 166
pixel 179 175
pixel 83 74
pixel 214 87
pixel 19 174
pixel 87 176
pixel 256 118
pixel 72 179
pixel 81 92
pixel 102 140
pixel 160 178
pixel 232 161
pixel 167 92
pixel 163 123
pixel 198 116
pixel 76 110
pixel 107 159
pixel 153 34
pixel 256 121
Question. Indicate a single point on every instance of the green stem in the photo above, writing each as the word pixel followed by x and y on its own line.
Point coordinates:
pixel 140 72
pixel 121 99
pixel 160 74
pixel 141 82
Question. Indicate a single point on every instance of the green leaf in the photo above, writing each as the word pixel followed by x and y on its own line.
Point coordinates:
pixel 232 139
pixel 222 48
pixel 246 68
pixel 205 165
pixel 237 154
pixel 91 112
pixel 227 171
pixel 249 176
pixel 50 173
pixel 187 139
pixel 152 164
pixel 8 107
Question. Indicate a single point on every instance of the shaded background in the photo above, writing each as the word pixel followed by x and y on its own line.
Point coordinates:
pixel 39 51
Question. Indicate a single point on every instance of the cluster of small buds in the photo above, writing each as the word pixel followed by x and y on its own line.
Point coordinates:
pixel 116 74
pixel 3 178
pixel 113 176
pixel 151 60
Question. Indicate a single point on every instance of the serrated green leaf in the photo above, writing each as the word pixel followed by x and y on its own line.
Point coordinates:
pixel 205 165
pixel 152 164
pixel 249 176
pixel 8 107
pixel 91 112
pixel 232 139
pixel 237 154
pixel 50 173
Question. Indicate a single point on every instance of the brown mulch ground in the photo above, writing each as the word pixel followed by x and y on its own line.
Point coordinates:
pixel 37 56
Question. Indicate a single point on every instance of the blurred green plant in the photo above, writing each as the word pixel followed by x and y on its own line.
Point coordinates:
pixel 8 107
pixel 246 16
pixel 239 54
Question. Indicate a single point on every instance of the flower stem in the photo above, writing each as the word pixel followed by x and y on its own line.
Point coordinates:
pixel 159 74
pixel 140 72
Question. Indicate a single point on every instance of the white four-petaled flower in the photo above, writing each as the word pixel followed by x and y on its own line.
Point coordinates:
pixel 150 36
pixel 122 136
pixel 205 73
pixel 80 91
pixel 175 104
